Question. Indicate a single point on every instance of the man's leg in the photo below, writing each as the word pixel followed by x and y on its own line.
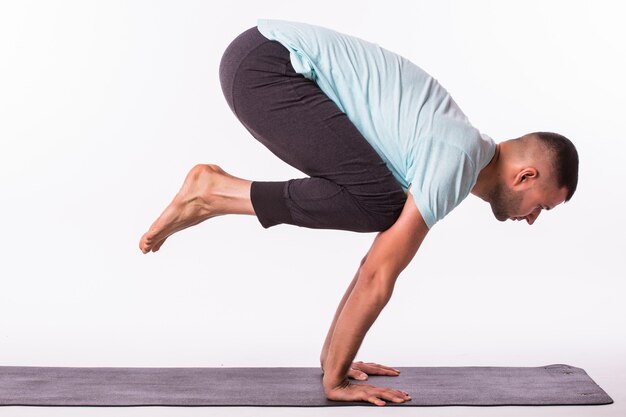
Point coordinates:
pixel 349 185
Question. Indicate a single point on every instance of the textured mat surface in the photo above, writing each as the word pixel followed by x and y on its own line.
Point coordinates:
pixel 291 387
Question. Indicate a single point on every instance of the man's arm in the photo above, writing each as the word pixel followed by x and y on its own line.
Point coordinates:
pixel 329 335
pixel 359 370
pixel 390 253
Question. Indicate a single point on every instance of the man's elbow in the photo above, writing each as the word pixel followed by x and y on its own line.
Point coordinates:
pixel 377 281
pixel 381 272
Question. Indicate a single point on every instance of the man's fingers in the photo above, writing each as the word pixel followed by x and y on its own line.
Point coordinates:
pixel 376 400
pixel 395 395
pixel 375 369
pixel 357 374
pixel 374 365
pixel 377 365
pixel 389 394
pixel 366 392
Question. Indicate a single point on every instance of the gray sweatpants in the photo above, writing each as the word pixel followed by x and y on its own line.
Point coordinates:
pixel 349 186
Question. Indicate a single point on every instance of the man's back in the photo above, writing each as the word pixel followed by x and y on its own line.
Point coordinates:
pixel 403 112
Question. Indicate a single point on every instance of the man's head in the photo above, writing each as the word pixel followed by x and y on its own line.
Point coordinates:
pixel 537 171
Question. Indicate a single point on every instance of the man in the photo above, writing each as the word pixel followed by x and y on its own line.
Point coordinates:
pixel 386 150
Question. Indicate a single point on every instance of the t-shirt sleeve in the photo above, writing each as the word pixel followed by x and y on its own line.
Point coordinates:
pixel 443 177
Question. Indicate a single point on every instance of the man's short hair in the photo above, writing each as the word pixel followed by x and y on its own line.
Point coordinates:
pixel 564 159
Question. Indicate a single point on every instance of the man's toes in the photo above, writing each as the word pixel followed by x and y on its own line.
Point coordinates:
pixel 146 243
pixel 144 240
pixel 145 248
pixel 158 245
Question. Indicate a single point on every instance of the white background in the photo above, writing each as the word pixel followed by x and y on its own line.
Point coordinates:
pixel 105 106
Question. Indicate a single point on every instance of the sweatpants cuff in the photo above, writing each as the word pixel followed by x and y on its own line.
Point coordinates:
pixel 270 203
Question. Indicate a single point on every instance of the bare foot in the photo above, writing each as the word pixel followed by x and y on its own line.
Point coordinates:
pixel 194 203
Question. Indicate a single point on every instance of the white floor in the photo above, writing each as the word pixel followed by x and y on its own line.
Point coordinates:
pixel 610 375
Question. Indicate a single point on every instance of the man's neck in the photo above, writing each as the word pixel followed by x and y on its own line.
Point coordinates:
pixel 487 177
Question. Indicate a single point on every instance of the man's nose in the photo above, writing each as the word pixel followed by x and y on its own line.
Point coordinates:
pixel 533 215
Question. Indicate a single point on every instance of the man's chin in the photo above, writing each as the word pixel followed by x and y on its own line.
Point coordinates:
pixel 501 217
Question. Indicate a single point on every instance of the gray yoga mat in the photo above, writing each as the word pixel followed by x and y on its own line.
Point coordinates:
pixel 291 387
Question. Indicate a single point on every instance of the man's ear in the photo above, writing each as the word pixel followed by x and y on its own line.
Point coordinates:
pixel 526 176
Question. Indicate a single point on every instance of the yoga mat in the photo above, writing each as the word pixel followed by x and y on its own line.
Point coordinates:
pixel 291 387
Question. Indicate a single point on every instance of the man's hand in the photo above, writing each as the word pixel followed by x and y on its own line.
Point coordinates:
pixel 360 370
pixel 346 391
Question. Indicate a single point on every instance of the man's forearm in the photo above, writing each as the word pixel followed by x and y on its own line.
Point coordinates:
pixel 329 335
pixel 365 302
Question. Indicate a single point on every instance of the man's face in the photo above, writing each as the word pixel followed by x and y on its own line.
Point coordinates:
pixel 526 204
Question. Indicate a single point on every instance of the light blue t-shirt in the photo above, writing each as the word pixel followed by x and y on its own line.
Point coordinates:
pixel 404 113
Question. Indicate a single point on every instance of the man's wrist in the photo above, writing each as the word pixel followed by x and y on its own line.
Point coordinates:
pixel 330 382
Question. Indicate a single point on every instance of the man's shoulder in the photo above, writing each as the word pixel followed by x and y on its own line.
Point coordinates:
pixel 447 167
pixel 458 135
